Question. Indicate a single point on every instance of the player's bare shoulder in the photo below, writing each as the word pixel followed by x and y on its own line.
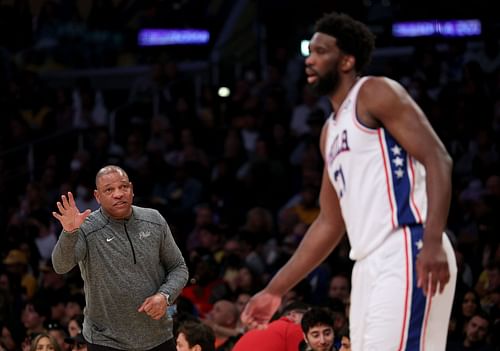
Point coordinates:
pixel 380 89
pixel 381 97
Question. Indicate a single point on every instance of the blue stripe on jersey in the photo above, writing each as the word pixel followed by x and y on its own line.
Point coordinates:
pixel 400 180
pixel 418 300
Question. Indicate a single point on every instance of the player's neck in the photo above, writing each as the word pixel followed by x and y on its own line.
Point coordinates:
pixel 340 94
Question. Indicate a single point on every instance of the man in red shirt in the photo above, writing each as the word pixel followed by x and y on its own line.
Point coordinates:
pixel 282 334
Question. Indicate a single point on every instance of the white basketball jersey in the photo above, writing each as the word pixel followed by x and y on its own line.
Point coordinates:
pixel 380 187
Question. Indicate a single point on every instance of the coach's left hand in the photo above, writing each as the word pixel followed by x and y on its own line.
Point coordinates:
pixel 154 306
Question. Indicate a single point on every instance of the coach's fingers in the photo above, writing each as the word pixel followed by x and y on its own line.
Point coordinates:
pixel 60 207
pixel 65 202
pixel 145 307
pixel 71 199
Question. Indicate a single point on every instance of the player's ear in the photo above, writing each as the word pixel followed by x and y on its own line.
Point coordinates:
pixel 348 62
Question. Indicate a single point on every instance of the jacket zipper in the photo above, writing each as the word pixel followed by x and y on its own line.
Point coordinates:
pixel 130 241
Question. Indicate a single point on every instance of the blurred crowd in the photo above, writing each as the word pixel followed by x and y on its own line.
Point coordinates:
pixel 237 179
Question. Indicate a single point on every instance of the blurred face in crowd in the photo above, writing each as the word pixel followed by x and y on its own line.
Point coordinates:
pixel 115 193
pixel 58 336
pixel 204 216
pixel 345 344
pixel 469 304
pixel 241 301
pixel 30 318
pixel 182 343
pixel 72 309
pixel 73 328
pixel 476 330
pixel 339 288
pixel 6 338
pixel 79 347
pixel 223 313
pixel 320 337
pixel 44 344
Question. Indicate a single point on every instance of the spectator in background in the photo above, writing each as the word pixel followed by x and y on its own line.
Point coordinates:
pixel 468 305
pixel 77 342
pixel 299 122
pixel 33 317
pixel 46 237
pixel 340 288
pixel 16 263
pixel 75 304
pixel 58 332
pixel 194 336
pixel 88 106
pixel 476 335
pixel 488 281
pixel 205 286
pixel 204 215
pixel 307 151
pixel 307 206
pixel 43 342
pixel 317 326
pixel 7 340
pixel 224 313
pixel 84 197
pixel 282 334
pixel 345 340
pixel 75 325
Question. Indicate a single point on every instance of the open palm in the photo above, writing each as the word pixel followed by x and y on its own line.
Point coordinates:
pixel 69 215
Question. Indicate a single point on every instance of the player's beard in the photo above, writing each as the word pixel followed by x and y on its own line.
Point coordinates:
pixel 327 83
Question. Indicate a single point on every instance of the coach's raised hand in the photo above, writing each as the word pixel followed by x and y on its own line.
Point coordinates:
pixel 69 215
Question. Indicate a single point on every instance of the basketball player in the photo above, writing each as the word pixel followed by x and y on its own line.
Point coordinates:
pixel 387 183
pixel 130 264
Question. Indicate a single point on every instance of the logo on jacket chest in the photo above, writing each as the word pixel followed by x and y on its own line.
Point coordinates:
pixel 144 234
pixel 339 145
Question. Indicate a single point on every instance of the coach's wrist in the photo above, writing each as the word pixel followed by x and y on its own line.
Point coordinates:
pixel 166 297
pixel 70 231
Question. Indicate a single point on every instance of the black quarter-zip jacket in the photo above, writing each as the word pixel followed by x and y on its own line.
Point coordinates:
pixel 122 262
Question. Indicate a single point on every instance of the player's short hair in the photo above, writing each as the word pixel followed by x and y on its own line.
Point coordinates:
pixel 353 37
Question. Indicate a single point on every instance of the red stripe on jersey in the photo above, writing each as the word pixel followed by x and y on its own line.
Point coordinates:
pixel 426 320
pixel 412 191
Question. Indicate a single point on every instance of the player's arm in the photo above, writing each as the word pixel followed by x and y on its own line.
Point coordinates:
pixel 387 102
pixel 321 238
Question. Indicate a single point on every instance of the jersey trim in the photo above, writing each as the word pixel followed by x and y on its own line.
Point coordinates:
pixel 383 147
pixel 407 292
pixel 413 204
pixel 420 305
pixel 400 178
